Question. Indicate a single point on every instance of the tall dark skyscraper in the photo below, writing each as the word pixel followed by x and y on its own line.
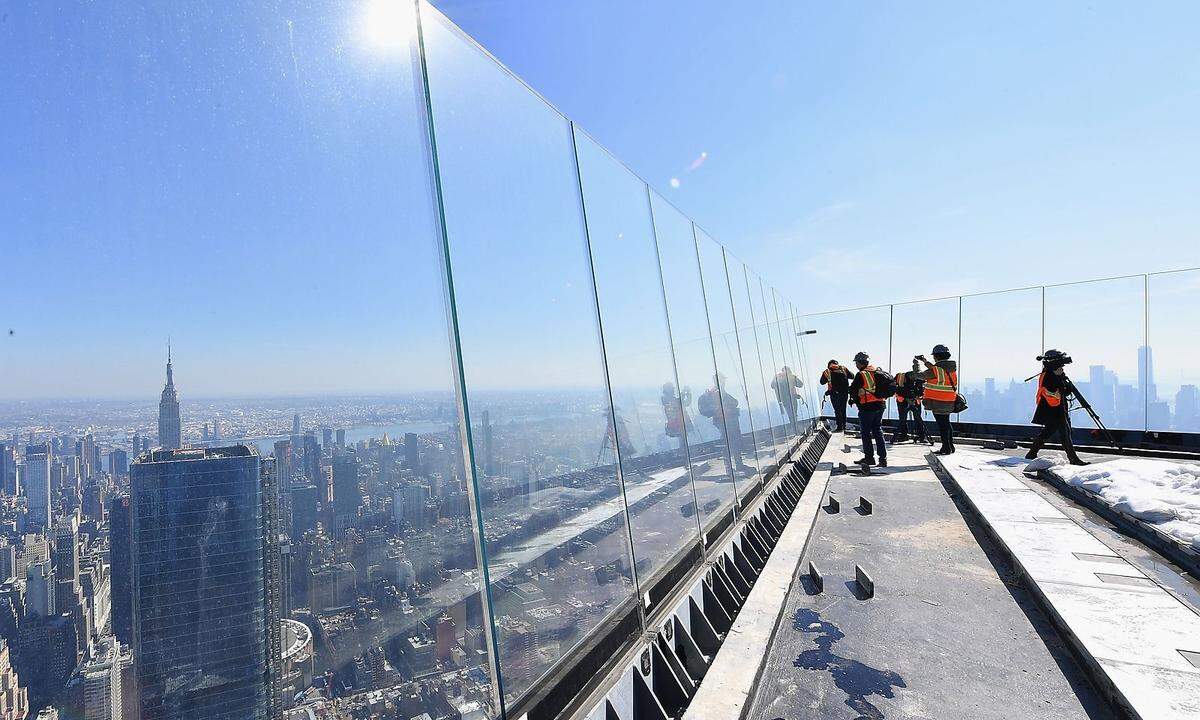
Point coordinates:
pixel 201 608
pixel 122 560
pixel 36 484
pixel 170 429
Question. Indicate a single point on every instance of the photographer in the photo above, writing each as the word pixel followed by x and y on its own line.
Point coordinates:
pixel 836 378
pixel 941 393
pixel 1052 413
pixel 909 389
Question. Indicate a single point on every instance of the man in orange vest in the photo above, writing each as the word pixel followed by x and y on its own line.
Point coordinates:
pixel 1052 409
pixel 940 394
pixel 870 411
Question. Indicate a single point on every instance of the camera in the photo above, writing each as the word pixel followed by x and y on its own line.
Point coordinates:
pixel 1055 358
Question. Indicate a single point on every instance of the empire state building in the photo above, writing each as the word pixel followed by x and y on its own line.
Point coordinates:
pixel 170 433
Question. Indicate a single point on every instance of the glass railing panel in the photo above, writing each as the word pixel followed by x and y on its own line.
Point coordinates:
pixel 1101 325
pixel 810 400
pixel 1167 368
pixel 254 182
pixel 768 351
pixel 786 385
pixel 641 370
pixel 707 449
pixel 839 336
pixel 757 383
pixel 1001 339
pixel 557 545
pixel 726 403
pixel 916 328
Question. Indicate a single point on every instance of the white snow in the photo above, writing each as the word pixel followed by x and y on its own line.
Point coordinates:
pixel 1161 493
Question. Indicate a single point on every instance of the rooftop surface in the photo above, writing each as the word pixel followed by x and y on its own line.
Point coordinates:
pixel 957 614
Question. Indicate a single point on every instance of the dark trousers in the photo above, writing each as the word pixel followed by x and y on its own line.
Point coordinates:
pixel 838 401
pixel 871 422
pixel 905 409
pixel 944 429
pixel 1060 426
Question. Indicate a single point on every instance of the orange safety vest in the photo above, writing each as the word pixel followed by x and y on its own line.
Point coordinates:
pixel 900 399
pixel 865 392
pixel 943 387
pixel 1053 399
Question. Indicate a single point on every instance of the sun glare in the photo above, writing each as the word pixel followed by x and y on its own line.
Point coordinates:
pixel 388 25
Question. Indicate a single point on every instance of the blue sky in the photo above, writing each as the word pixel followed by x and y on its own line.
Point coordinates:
pixel 971 146
pixel 253 183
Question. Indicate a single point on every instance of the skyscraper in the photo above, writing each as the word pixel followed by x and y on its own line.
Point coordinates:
pixel 121 564
pixel 8 470
pixel 36 481
pixel 14 700
pixel 170 429
pixel 102 683
pixel 200 605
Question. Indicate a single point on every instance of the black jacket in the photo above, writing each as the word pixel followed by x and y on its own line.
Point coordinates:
pixel 838 381
pixel 1047 414
pixel 909 386
pixel 858 385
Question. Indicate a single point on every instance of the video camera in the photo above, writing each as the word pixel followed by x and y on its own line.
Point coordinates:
pixel 1055 359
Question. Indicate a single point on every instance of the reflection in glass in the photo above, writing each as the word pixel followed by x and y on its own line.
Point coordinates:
pixel 786 385
pixel 695 364
pixel 767 342
pixel 1167 368
pixel 726 403
pixel 553 517
pixel 757 382
pixel 1001 339
pixel 1102 326
pixel 641 372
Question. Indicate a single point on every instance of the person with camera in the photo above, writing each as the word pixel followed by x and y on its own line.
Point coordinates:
pixel 909 389
pixel 836 380
pixel 869 392
pixel 1052 411
pixel 940 395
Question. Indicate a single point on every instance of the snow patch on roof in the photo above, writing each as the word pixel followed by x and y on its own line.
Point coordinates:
pixel 1161 493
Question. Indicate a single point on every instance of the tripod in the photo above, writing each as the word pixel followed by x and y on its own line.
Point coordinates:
pixel 1087 407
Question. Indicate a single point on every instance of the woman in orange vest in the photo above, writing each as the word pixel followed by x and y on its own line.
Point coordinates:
pixel 941 391
pixel 1052 410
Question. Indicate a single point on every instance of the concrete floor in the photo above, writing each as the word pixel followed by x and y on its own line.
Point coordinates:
pixel 950 632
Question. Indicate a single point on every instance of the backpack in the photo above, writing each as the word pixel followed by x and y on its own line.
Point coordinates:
pixel 707 404
pixel 885 385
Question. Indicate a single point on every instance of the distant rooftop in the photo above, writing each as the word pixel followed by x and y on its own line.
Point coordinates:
pixel 185 454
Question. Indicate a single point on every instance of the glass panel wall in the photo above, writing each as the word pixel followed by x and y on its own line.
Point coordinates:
pixel 916 328
pixel 786 385
pixel 809 369
pixel 764 363
pixel 757 383
pixel 637 345
pixel 1001 339
pixel 554 521
pixel 695 364
pixel 455 362
pixel 254 182
pixel 768 347
pixel 1167 367
pixel 726 402
pixel 842 334
pixel 1101 325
